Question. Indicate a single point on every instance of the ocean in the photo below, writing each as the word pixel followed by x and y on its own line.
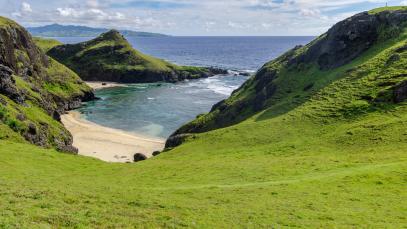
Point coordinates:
pixel 159 109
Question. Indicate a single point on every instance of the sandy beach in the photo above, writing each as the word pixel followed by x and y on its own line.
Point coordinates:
pixel 108 144
pixel 100 84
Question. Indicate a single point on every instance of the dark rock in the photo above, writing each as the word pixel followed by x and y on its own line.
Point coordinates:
pixel 219 106
pixel 156 153
pixel 8 85
pixel 104 84
pixel 176 140
pixel 349 38
pixel 402 49
pixel 308 87
pixel 3 101
pixel 139 157
pixel 32 129
pixel 68 149
pixel 244 74
pixel 400 92
pixel 21 117
pixel 393 58
pixel 217 71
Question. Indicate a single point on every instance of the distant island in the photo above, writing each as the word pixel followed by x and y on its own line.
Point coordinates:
pixel 57 30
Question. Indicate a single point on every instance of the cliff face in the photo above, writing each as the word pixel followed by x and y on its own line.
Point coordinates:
pixel 110 57
pixel 35 90
pixel 290 80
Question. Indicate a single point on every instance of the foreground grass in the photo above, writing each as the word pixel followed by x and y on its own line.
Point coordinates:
pixel 332 157
pixel 298 173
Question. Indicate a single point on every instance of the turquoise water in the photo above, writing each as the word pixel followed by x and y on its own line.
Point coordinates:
pixel 159 109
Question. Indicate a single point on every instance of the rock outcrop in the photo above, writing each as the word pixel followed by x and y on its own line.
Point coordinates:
pixel 36 89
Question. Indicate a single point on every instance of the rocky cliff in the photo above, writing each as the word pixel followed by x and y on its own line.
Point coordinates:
pixel 34 90
pixel 291 79
pixel 110 57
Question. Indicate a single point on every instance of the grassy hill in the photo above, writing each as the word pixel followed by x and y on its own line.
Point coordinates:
pixel 34 90
pixel 45 44
pixel 326 149
pixel 110 57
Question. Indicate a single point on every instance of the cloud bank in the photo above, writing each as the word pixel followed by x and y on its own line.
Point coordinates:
pixel 193 17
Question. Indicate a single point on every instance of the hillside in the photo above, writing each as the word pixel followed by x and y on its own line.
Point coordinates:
pixel 110 57
pixel 339 57
pixel 56 30
pixel 34 90
pixel 325 149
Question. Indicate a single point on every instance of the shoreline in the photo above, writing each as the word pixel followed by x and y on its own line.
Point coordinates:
pixel 96 85
pixel 108 144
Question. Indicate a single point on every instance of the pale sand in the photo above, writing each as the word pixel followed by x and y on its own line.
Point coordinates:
pixel 99 84
pixel 108 144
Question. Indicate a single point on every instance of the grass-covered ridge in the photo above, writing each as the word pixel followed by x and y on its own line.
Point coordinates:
pixel 110 57
pixel 46 43
pixel 290 80
pixel 388 8
pixel 326 150
pixel 34 90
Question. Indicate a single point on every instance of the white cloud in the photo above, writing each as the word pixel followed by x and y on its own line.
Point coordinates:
pixel 310 12
pixel 403 3
pixel 208 17
pixel 92 3
pixel 25 9
pixel 90 14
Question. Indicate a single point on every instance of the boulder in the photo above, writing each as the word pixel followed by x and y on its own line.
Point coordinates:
pixel 156 153
pixel 400 92
pixel 176 140
pixel 139 157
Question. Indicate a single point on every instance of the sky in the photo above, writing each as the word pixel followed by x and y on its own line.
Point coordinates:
pixel 193 17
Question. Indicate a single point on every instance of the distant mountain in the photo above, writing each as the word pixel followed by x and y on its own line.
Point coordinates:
pixel 56 30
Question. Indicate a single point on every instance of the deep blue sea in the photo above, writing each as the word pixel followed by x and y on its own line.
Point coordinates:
pixel 159 109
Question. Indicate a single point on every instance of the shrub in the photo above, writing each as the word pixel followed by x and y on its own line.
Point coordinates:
pixel 15 125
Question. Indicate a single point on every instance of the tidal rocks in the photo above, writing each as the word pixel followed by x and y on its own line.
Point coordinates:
pixel 176 140
pixel 156 153
pixel 139 157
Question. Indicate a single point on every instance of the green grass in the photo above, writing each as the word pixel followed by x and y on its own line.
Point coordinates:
pixel 46 44
pixel 388 8
pixel 5 22
pixel 333 156
pixel 297 174
pixel 112 58
pixel 43 83
pixel 315 165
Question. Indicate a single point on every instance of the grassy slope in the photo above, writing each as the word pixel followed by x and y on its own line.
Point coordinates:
pixel 292 81
pixel 46 44
pixel 51 81
pixel 111 52
pixel 334 160
pixel 389 8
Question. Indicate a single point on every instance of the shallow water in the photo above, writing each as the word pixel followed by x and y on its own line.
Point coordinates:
pixel 159 109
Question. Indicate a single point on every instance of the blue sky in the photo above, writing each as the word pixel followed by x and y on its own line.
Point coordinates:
pixel 193 17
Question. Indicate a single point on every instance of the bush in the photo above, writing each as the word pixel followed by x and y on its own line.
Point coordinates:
pixel 15 125
pixel 3 112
